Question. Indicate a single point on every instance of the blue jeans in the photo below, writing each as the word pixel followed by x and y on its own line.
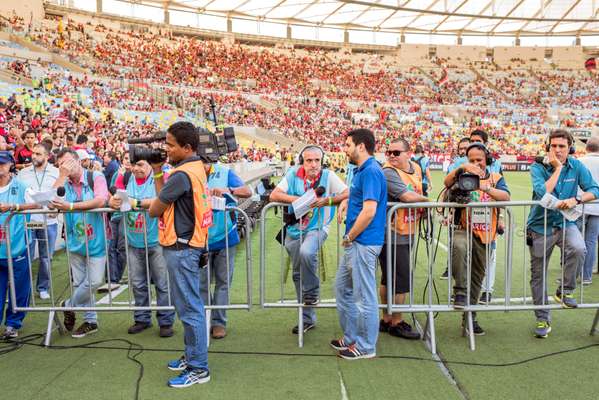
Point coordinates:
pixel 357 303
pixel 22 290
pixel 140 284
pixel 44 248
pixel 116 250
pixel 304 258
pixel 591 233
pixel 222 282
pixel 87 278
pixel 184 276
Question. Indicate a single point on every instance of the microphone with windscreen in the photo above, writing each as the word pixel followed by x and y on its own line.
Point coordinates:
pixel 60 192
pixel 319 191
pixel 112 190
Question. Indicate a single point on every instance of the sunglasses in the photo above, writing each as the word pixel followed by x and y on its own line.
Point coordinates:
pixel 395 153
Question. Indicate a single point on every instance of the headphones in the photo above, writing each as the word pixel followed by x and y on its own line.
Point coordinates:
pixel 311 147
pixel 477 145
pixel 571 150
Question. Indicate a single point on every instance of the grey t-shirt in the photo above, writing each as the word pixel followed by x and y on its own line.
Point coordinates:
pixel 177 189
pixel 395 189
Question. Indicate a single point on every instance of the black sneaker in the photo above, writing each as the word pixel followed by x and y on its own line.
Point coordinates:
pixel 384 326
pixel 476 328
pixel 166 331
pixel 459 301
pixel 339 344
pixel 352 353
pixel 138 327
pixel 311 300
pixel 404 330
pixel 85 329
pixel 445 275
pixel 566 300
pixel 485 298
pixel 307 327
pixel 69 318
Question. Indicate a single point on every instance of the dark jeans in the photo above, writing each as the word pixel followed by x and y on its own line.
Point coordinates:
pixel 116 250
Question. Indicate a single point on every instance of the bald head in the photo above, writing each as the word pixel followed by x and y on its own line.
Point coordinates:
pixel 593 144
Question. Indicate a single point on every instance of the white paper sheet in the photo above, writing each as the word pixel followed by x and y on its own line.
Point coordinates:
pixel 301 206
pixel 549 201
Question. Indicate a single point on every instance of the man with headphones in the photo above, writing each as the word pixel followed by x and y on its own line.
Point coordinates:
pixel 561 175
pixel 481 223
pixel 304 238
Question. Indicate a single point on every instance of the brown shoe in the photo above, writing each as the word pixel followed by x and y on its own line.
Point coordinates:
pixel 219 332
pixel 166 331
pixel 85 329
pixel 137 327
pixel 69 318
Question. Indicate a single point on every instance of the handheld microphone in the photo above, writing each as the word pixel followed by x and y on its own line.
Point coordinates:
pixel 319 191
pixel 61 191
pixel 112 190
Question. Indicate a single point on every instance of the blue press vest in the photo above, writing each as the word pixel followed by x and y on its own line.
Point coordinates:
pixel 296 188
pixel 14 195
pixel 135 220
pixel 93 228
pixel 219 178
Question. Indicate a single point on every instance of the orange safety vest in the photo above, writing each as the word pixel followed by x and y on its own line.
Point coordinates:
pixel 483 220
pixel 406 219
pixel 202 209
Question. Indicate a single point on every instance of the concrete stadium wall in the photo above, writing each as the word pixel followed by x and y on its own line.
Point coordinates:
pixel 469 53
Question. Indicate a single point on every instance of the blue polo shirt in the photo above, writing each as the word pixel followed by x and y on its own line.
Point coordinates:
pixel 368 183
pixel 573 175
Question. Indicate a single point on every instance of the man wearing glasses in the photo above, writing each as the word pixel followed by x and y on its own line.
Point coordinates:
pixel 404 184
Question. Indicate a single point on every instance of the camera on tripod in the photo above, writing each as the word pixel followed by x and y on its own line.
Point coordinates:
pixel 461 189
pixel 211 146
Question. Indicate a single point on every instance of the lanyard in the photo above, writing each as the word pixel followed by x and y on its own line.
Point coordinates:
pixel 39 184
pixel 313 185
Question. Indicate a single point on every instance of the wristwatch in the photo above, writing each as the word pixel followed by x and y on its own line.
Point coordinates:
pixel 578 199
pixel 346 238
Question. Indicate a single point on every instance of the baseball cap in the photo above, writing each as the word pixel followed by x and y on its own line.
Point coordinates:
pixel 6 157
pixel 83 155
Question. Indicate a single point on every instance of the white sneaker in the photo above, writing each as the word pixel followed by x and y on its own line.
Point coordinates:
pixel 9 333
pixel 44 295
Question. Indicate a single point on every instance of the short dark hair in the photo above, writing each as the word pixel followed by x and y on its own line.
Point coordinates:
pixel 419 149
pixel 483 135
pixel 29 132
pixel 69 138
pixel 561 133
pixel 185 134
pixel 363 136
pixel 403 141
pixel 463 140
pixel 81 139
pixel 112 155
pixel 47 147
pixel 63 152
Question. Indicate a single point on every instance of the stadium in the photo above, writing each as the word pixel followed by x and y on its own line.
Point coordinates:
pixel 116 116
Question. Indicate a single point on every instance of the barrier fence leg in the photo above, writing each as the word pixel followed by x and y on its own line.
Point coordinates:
pixel 431 332
pixel 53 319
pixel 595 321
pixel 469 330
pixel 208 323
pixel 300 326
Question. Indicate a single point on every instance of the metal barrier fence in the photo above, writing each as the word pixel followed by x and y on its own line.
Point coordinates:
pixel 100 267
pixel 429 225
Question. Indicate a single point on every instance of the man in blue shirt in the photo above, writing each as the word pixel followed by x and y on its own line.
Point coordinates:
pixel 222 241
pixel 356 293
pixel 561 177
pixel 461 157
pixel 424 164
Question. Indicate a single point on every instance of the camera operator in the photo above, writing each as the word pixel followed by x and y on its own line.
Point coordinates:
pixel 304 238
pixel 560 175
pixel 183 205
pixel 221 180
pixel 142 231
pixel 404 184
pixel 483 226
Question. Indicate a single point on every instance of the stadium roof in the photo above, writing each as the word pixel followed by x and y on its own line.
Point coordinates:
pixel 465 17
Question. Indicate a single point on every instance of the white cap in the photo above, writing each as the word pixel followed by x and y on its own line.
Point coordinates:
pixel 83 155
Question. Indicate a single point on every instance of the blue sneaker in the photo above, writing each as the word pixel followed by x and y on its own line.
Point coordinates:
pixel 189 377
pixel 178 364
pixel 542 329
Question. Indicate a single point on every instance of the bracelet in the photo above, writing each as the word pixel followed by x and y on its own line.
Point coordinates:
pixel 158 175
pixel 70 206
pixel 330 201
pixel 135 203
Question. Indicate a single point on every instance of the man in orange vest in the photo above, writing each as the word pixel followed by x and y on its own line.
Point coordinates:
pixel 183 206
pixel 481 223
pixel 404 184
